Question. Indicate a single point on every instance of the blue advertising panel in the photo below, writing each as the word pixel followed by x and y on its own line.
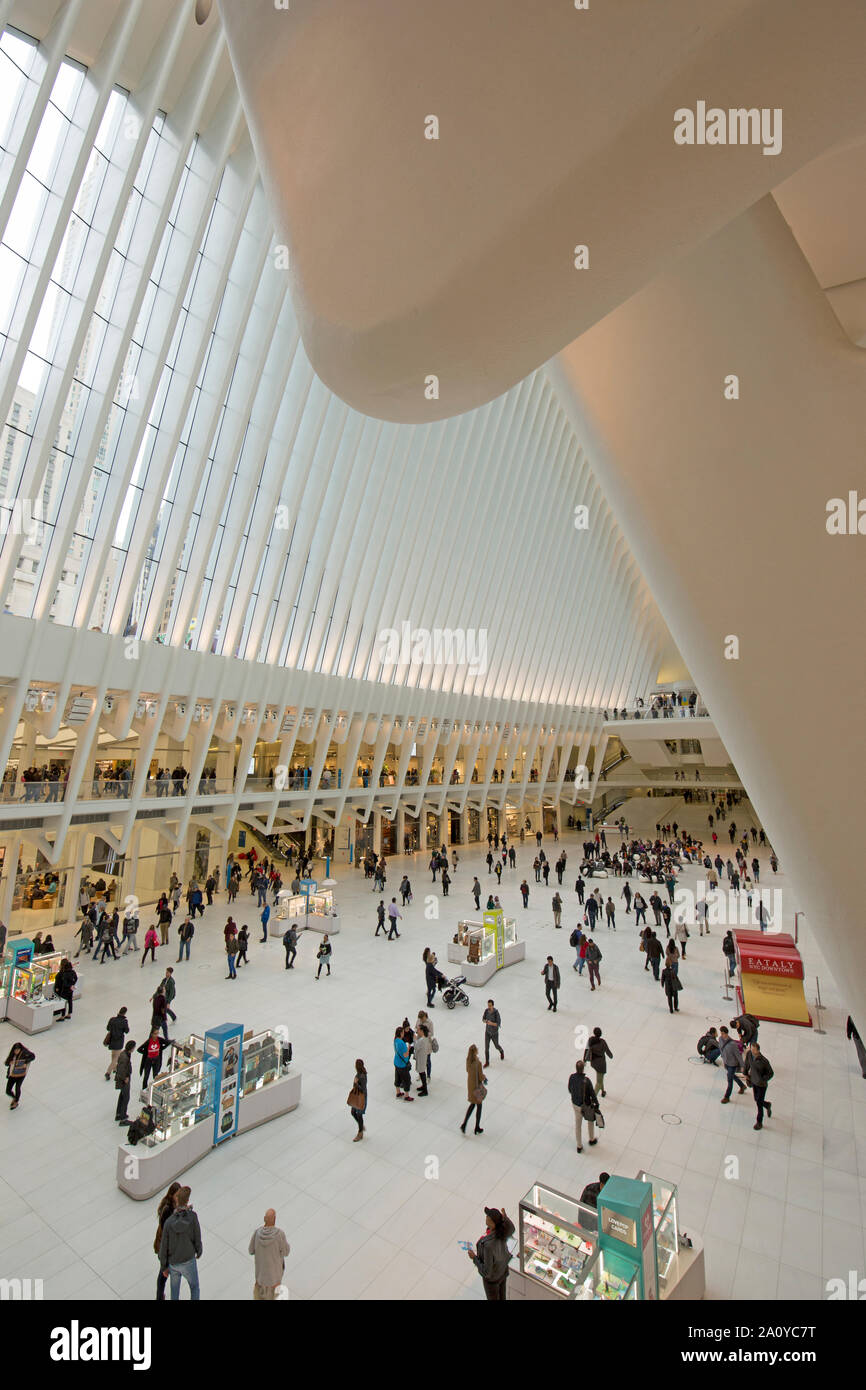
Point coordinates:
pixel 223 1050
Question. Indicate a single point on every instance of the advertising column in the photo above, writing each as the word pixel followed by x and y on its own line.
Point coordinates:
pixel 495 922
pixel 223 1048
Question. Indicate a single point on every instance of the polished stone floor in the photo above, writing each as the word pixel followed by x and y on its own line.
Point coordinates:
pixel 382 1219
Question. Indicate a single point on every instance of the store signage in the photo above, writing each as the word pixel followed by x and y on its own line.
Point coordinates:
pixel 224 1047
pixel 783 963
pixel 494 921
pixel 618 1227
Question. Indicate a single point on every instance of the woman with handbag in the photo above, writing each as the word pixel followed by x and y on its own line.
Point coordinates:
pixel 16 1064
pixel 476 1088
pixel 323 955
pixel 357 1099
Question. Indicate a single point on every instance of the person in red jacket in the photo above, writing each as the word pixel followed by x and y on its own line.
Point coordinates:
pixel 151 941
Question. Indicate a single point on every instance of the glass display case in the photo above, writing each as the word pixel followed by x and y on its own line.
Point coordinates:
pixel 606 1276
pixel 558 1238
pixel 261 1061
pixel 180 1098
pixel 29 983
pixel 322 902
pixel 290 905
pixel 666 1225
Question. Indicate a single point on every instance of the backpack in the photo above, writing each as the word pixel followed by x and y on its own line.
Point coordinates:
pixel 574 939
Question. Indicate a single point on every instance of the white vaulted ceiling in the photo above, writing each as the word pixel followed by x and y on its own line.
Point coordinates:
pixel 200 486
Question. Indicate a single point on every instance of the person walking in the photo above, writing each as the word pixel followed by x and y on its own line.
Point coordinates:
pixel 671 985
pixel 169 989
pixel 729 950
pixel 290 942
pixel 186 933
pixel 405 890
pixel 491 1256
pixel 593 960
pixel 610 914
pixel 243 943
pixel 402 1074
pixel 357 1100
pixel 85 931
pixel 639 909
pixel 476 1088
pixel 524 892
pixel 266 913
pixel 151 1057
pixel 151 941
pixel 557 910
pixel 380 919
pixel 627 894
pixel 492 1023
pixel 580 888
pixel 269 1248
pixel 104 940
pixel 164 1210
pixel 180 1246
pixel 552 981
pixel 123 1081
pixel 584 1104
pixel 323 955
pixel 395 915
pixel 115 1031
pixel 446 879
pixel 476 893
pixel 16 1064
pixel 681 936
pixel 732 1062
pixel 231 955
pixel 654 954
pixel 164 919
pixel 760 1074
pixel 597 1053
pixel 130 932
pixel 422 1049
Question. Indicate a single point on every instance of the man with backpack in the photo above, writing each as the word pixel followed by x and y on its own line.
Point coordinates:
pixel 760 1073
pixel 290 941
pixel 574 941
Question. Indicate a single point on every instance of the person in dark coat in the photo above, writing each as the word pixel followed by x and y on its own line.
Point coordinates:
pixel 671 986
pixel 122 1082
pixel 16 1065
pixel 64 985
pixel 597 1053
pixel 853 1036
pixel 552 981
pixel 491 1256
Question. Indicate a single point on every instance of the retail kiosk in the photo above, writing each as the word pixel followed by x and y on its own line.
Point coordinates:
pixel 27 996
pixel 213 1088
pixel 631 1248
pixel 312 909
pixel 482 948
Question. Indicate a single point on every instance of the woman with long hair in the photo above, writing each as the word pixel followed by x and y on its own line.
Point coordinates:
pixel 476 1088
pixel 358 1097
pixel 164 1211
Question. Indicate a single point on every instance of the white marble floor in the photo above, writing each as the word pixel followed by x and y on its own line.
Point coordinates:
pixel 382 1219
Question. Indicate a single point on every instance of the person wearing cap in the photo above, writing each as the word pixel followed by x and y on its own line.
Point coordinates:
pixel 491 1257
pixel 589 1195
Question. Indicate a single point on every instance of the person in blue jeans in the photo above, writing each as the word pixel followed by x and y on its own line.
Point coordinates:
pixel 732 1062
pixel 180 1246
pixel 575 940
pixel 266 913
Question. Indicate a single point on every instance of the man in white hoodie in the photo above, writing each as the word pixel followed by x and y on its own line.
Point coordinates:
pixel 269 1246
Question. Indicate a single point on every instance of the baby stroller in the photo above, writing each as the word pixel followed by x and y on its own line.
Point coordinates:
pixel 452 993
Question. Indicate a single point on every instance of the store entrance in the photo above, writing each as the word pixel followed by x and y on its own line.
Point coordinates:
pixel 492 820
pixel 432 830
pixel 389 837
pixel 411 834
pixel 454 827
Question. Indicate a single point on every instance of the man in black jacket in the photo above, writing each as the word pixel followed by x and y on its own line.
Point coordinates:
pixel 589 1195
pixel 747 1027
pixel 122 1082
pixel 116 1029
pixel 180 1246
pixel 760 1074
pixel 584 1104
pixel 551 982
